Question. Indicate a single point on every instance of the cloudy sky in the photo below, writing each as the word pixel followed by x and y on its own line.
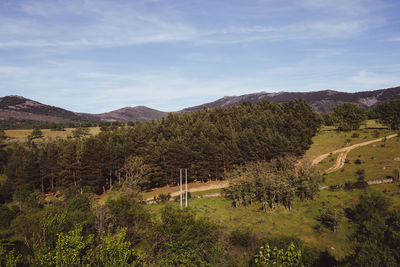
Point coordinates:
pixel 96 55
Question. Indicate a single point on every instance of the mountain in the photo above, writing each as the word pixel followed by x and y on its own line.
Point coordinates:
pixel 20 108
pixel 321 101
pixel 139 113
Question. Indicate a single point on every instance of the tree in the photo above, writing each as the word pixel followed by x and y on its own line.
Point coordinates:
pixel 80 132
pixel 331 218
pixel 376 239
pixel 35 134
pixel 71 249
pixel 349 116
pixel 278 257
pixel 117 251
pixel 389 113
pixel 134 171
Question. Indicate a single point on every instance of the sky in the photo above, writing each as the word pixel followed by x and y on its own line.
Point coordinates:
pixel 96 56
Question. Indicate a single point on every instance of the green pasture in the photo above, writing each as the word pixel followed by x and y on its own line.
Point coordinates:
pixel 301 221
pixel 377 160
pixel 328 139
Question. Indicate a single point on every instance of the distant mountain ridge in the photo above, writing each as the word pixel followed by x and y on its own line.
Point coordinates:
pixel 321 101
pixel 138 113
pixel 20 108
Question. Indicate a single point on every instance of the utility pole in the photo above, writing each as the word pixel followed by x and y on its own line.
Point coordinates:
pixel 186 189
pixel 180 172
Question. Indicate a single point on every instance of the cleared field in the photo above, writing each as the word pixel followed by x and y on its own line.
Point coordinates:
pixel 20 135
pixel 374 162
pixel 328 139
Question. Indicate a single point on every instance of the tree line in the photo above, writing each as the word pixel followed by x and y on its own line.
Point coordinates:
pixel 350 116
pixel 208 142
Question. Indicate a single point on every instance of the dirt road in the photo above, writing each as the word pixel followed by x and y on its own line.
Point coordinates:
pixel 343 153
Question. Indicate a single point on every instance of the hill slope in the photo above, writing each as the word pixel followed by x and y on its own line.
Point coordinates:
pixel 139 113
pixel 321 101
pixel 18 107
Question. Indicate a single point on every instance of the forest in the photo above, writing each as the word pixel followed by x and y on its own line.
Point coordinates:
pixel 208 142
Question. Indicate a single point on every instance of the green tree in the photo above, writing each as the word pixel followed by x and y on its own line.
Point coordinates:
pixel 9 258
pixel 331 218
pixel 80 132
pixel 134 172
pixel 349 116
pixel 376 239
pixel 72 249
pixel 278 257
pixel 35 134
pixel 389 113
pixel 117 251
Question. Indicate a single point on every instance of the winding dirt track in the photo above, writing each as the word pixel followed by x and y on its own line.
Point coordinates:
pixel 343 153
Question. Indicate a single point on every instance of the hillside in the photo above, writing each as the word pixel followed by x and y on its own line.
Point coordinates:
pixel 20 108
pixel 139 113
pixel 321 101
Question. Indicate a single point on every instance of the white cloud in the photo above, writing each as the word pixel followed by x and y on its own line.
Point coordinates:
pixel 375 80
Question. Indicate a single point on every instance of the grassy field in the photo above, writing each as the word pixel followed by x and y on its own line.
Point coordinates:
pixel 20 135
pixel 328 139
pixel 376 160
pixel 299 222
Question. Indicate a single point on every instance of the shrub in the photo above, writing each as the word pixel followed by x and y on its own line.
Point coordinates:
pixel 360 172
pixel 244 238
pixel 357 161
pixel 79 202
pixel 355 135
pixel 162 198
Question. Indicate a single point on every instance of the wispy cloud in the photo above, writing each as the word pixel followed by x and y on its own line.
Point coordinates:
pixel 372 79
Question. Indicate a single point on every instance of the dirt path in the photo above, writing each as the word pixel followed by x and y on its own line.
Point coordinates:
pixel 196 187
pixel 343 153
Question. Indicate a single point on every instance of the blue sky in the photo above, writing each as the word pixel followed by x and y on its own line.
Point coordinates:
pixel 96 56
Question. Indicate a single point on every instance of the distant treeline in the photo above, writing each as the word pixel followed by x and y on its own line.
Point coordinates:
pixel 208 142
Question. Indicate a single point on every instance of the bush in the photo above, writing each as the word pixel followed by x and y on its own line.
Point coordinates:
pixel 357 161
pixel 79 202
pixel 244 238
pixel 355 135
pixel 335 187
pixel 360 172
pixel 7 215
pixel 162 198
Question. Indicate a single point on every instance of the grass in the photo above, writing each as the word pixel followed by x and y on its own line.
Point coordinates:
pixel 328 139
pixel 376 161
pixel 20 135
pixel 299 222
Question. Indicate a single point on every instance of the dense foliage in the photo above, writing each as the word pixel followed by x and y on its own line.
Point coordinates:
pixel 208 142
pixel 349 116
pixel 389 114
pixel 272 184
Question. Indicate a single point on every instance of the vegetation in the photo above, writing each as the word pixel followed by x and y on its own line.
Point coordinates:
pixel 389 113
pixel 349 116
pixel 210 142
pixel 273 184
pixel 79 201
